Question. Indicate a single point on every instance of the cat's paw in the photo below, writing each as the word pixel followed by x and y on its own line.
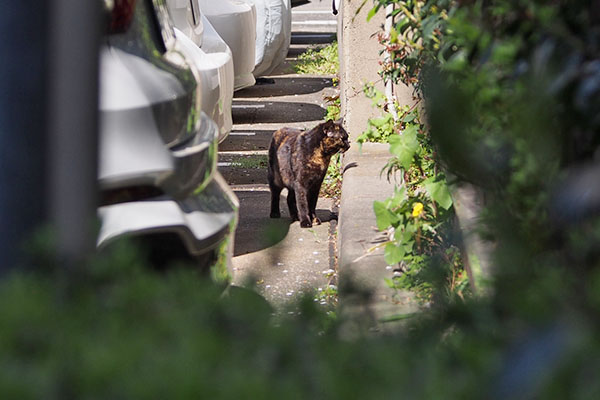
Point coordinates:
pixel 306 224
pixel 316 221
pixel 275 215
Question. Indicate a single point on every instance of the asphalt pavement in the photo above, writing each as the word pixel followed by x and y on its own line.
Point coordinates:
pixel 277 257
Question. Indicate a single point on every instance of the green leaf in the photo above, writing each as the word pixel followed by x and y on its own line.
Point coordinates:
pixel 383 215
pixel 405 146
pixel 398 198
pixel 403 236
pixel 428 26
pixel 438 191
pixel 393 254
pixel 409 117
pixel 408 246
pixel 394 36
pixel 371 13
pixel 380 121
pixel 390 283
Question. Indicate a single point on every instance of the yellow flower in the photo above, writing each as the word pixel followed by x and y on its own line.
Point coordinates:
pixel 417 209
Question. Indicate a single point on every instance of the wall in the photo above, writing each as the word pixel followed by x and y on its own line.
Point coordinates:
pixel 359 62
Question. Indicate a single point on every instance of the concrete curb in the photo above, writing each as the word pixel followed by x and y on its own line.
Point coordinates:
pixel 365 298
pixel 363 294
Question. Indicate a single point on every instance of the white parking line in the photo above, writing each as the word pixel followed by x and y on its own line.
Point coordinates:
pixel 314 22
pixel 312 12
pixel 233 133
pixel 248 106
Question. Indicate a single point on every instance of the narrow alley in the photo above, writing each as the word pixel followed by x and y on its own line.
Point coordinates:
pixel 276 256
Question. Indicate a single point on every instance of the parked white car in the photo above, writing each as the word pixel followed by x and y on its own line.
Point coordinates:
pixel 273 34
pixel 235 22
pixel 158 150
pixel 212 57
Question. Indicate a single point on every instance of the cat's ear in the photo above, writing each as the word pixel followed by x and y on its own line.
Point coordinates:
pixel 339 122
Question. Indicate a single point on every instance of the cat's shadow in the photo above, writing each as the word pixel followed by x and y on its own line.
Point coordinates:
pixel 326 215
pixel 256 231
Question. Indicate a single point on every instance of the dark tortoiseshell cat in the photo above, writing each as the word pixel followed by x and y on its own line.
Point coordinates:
pixel 298 161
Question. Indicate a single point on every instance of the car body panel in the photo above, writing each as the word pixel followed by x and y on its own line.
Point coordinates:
pixel 235 22
pixel 216 70
pixel 136 117
pixel 273 34
pixel 212 58
pixel 186 17
pixel 151 61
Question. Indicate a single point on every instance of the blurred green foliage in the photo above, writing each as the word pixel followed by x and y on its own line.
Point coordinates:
pixel 115 329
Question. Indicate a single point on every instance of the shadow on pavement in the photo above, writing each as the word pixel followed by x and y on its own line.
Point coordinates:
pixel 287 87
pixel 251 112
pixel 247 139
pixel 256 230
pixel 313 37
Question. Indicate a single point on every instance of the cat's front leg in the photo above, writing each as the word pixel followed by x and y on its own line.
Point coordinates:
pixel 303 207
pixel 313 197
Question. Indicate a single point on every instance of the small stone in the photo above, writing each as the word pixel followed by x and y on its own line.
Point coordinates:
pixel 300 240
pixel 267 286
pixel 389 267
pixel 328 272
pixel 317 261
pixel 397 273
pixel 280 263
pixel 289 293
pixel 285 271
pixel 315 252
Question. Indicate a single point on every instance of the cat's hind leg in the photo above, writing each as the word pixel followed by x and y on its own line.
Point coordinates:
pixel 291 201
pixel 275 193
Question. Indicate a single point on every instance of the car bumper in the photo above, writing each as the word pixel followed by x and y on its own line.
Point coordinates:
pixel 204 222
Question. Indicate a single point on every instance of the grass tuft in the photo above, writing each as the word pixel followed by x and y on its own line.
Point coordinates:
pixel 319 61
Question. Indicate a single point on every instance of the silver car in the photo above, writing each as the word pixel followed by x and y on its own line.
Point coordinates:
pixel 158 150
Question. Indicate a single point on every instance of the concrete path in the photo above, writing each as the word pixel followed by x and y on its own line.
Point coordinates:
pixel 364 295
pixel 277 257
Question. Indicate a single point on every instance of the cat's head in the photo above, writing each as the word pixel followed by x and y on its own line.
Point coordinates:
pixel 335 137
